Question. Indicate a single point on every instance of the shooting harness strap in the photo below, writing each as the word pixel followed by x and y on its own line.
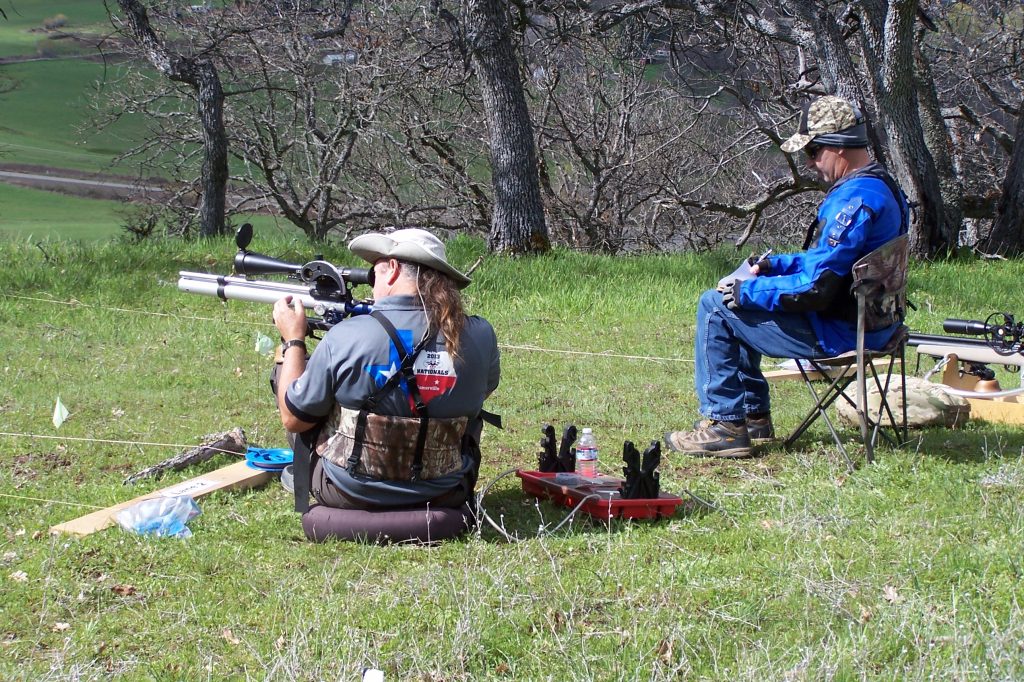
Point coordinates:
pixel 405 371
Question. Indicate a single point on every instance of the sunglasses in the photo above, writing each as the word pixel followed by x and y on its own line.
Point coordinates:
pixel 812 151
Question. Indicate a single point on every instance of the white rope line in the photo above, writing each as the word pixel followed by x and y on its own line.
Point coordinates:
pixel 113 442
pixel 43 499
pixel 507 346
pixel 78 304
pixel 602 354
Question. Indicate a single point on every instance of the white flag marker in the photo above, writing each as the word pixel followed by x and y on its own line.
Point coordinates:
pixel 60 413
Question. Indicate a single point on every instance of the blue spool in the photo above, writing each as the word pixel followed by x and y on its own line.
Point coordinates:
pixel 268 459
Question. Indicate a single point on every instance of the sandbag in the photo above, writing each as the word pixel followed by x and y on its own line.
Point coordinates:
pixel 928 404
pixel 422 525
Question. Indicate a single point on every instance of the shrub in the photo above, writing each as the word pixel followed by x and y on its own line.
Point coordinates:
pixel 55 22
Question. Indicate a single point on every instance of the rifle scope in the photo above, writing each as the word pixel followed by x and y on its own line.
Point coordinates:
pixel 249 263
pixel 252 263
pixel 969 327
pixel 1001 331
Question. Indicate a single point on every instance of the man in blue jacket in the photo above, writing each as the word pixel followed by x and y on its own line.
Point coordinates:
pixel 793 305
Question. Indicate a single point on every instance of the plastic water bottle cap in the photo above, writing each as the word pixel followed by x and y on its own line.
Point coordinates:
pixel 588 430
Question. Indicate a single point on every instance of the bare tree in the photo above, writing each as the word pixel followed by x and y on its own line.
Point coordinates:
pixel 978 52
pixel 200 74
pixel 650 124
pixel 518 224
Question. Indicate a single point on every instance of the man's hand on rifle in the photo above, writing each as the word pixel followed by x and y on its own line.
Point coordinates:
pixel 290 318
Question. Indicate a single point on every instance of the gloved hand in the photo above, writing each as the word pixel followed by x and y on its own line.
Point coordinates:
pixel 763 265
pixel 731 294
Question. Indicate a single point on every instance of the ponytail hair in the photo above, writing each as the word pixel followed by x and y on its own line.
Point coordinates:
pixel 442 303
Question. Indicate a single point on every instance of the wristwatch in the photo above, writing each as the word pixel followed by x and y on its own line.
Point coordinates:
pixel 289 344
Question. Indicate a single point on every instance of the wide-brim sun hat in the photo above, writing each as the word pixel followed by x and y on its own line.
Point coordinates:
pixel 829 121
pixel 413 245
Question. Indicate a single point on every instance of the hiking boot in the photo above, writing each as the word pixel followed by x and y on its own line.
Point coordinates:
pixel 712 439
pixel 760 430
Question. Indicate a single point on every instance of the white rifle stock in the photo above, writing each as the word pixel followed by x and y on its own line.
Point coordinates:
pixel 965 360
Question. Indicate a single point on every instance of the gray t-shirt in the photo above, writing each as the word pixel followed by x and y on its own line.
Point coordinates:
pixel 357 355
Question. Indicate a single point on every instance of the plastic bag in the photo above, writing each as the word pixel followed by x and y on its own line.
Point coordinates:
pixel 264 344
pixel 160 516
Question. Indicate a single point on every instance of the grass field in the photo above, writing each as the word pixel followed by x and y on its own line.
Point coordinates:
pixel 21 33
pixel 31 215
pixel 47 117
pixel 46 101
pixel 907 569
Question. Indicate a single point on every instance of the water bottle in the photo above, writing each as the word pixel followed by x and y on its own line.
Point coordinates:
pixel 586 455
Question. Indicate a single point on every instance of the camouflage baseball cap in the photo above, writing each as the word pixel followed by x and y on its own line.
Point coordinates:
pixel 830 121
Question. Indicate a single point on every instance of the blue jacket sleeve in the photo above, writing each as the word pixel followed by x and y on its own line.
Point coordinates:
pixel 846 220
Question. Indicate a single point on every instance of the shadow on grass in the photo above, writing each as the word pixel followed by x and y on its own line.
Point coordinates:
pixel 975 443
pixel 511 514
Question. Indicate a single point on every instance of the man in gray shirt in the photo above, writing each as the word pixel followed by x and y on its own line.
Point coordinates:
pixel 393 435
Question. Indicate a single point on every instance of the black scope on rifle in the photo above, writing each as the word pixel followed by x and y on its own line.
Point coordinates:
pixel 969 327
pixel 1001 332
pixel 249 263
pixel 317 271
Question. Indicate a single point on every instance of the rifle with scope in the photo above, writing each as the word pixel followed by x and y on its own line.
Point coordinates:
pixel 998 340
pixel 1000 333
pixel 323 287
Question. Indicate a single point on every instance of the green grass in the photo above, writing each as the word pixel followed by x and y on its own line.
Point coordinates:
pixel 21 34
pixel 47 119
pixel 908 569
pixel 32 215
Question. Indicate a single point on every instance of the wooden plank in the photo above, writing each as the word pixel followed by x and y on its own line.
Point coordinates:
pixel 792 374
pixel 997 411
pixel 237 476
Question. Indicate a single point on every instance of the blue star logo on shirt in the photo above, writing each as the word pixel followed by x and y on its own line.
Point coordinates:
pixel 381 373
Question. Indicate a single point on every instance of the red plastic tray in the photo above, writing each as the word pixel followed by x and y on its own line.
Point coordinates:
pixel 568 489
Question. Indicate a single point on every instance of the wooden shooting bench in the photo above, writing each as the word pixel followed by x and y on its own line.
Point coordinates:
pixel 1003 410
pixel 1008 410
pixel 794 374
pixel 237 476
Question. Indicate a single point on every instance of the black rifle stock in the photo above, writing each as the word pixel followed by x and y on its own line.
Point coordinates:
pixel 321 286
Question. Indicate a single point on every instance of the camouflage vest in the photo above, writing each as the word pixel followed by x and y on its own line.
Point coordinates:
pixel 388 445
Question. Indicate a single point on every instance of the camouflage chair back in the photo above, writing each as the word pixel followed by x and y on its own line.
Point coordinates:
pixel 880 288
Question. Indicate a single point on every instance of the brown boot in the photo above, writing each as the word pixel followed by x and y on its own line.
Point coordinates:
pixel 712 439
pixel 760 429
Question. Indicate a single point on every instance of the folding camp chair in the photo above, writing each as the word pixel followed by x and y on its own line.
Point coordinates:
pixel 879 286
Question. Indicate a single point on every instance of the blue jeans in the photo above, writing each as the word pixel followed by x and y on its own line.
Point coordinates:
pixel 728 351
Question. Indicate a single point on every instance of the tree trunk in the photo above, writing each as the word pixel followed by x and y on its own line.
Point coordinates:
pixel 938 140
pixel 1007 236
pixel 210 102
pixel 201 75
pixel 518 224
pixel 887 31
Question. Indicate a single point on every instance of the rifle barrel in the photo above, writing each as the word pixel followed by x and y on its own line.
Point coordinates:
pixel 229 287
